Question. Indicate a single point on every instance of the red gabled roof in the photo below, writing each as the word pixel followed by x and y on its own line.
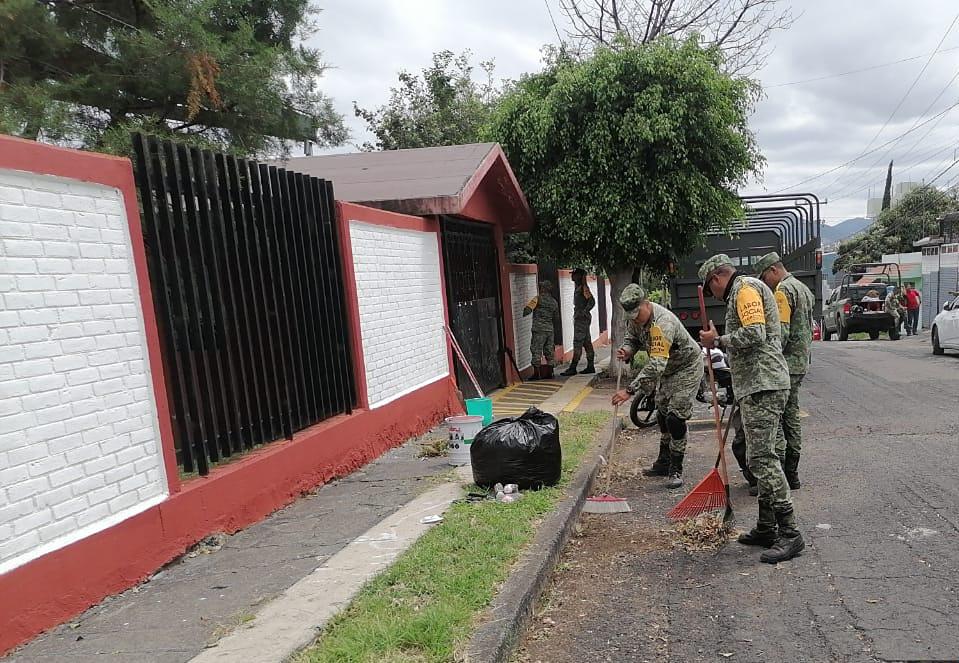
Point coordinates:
pixel 473 181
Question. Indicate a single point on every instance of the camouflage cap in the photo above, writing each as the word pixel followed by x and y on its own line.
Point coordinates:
pixel 633 295
pixel 766 262
pixel 712 263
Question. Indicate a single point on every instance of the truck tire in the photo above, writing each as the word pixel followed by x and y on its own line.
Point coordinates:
pixel 874 336
pixel 826 334
pixel 936 348
pixel 842 330
pixel 894 334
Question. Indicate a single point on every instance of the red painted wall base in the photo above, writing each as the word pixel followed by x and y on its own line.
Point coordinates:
pixel 60 585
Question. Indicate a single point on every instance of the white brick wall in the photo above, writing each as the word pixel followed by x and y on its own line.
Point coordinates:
pixel 79 443
pixel 522 288
pixel 566 289
pixel 401 309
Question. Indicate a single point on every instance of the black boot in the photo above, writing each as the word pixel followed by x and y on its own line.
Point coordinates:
pixel 589 368
pixel 764 533
pixel 660 466
pixel 791 470
pixel 790 542
pixel 569 371
pixel 675 470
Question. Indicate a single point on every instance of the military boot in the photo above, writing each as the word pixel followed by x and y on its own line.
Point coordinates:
pixel 791 470
pixel 660 466
pixel 589 368
pixel 764 533
pixel 789 543
pixel 675 470
pixel 569 371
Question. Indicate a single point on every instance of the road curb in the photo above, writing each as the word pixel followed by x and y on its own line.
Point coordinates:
pixel 510 612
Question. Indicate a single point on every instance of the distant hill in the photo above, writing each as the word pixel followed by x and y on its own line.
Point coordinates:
pixel 834 234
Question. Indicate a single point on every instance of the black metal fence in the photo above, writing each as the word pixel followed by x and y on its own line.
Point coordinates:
pixel 247 284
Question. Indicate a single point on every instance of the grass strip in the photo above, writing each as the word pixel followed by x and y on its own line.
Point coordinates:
pixel 423 606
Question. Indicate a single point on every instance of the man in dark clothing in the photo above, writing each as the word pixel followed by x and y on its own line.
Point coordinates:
pixel 583 303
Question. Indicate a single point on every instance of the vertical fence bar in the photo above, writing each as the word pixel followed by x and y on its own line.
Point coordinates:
pixel 245 380
pixel 211 216
pixel 169 206
pixel 295 352
pixel 160 278
pixel 334 289
pixel 279 345
pixel 257 248
pixel 203 293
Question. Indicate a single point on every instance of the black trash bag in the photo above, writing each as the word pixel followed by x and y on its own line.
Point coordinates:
pixel 523 450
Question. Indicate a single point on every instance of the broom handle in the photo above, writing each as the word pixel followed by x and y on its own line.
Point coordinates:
pixel 469 371
pixel 712 385
pixel 609 468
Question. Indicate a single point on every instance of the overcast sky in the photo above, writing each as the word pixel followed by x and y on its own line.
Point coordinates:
pixel 804 128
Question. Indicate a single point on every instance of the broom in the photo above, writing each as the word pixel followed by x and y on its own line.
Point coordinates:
pixel 712 493
pixel 606 503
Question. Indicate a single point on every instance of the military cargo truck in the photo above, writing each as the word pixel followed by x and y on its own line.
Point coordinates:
pixel 788 224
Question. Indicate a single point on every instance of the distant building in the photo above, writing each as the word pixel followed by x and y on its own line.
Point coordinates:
pixel 902 189
pixel 873 207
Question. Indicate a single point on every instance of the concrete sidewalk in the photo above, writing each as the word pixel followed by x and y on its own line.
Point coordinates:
pixel 264 592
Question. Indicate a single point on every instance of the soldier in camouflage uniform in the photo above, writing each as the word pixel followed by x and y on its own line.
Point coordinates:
pixel 752 341
pixel 893 306
pixel 674 369
pixel 796 304
pixel 545 311
pixel 583 303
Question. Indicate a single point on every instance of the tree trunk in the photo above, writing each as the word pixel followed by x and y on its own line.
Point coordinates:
pixel 618 279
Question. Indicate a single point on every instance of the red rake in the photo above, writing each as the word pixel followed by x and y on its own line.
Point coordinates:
pixel 712 493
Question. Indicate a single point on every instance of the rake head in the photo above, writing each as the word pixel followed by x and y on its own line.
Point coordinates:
pixel 710 494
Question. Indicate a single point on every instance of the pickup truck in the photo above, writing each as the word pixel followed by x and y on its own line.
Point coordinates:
pixel 858 304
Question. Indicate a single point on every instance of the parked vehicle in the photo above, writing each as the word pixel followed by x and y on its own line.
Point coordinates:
pixel 858 304
pixel 945 327
pixel 642 410
pixel 788 224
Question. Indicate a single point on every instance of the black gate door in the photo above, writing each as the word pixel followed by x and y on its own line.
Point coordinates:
pixel 475 308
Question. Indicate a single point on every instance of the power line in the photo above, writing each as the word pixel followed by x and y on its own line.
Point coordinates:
pixel 858 71
pixel 549 11
pixel 906 94
pixel 859 179
pixel 867 153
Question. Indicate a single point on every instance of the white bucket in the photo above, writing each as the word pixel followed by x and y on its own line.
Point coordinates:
pixel 462 431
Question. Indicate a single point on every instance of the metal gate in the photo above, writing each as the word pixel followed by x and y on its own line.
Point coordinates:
pixel 245 271
pixel 475 308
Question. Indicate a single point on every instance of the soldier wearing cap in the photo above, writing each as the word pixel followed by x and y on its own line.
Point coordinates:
pixel 545 312
pixel 796 304
pixel 752 341
pixel 583 303
pixel 674 371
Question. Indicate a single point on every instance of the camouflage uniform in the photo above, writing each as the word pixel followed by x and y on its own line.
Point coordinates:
pixel 583 303
pixel 893 306
pixel 752 340
pixel 674 370
pixel 545 310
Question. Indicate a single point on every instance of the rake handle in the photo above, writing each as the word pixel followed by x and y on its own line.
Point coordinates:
pixel 717 418
pixel 462 358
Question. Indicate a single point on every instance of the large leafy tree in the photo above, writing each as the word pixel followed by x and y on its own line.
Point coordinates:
pixel 225 73
pixel 443 105
pixel 628 156
pixel 895 229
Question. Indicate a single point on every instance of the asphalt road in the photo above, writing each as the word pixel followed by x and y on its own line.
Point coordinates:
pixel 879 509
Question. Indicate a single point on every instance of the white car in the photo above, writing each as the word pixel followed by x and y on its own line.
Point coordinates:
pixel 945 328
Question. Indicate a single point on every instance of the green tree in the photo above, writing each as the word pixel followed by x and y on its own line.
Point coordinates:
pixel 443 105
pixel 895 229
pixel 226 73
pixel 887 192
pixel 629 156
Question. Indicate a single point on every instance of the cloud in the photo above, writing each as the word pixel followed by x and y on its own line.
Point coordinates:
pixel 803 129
